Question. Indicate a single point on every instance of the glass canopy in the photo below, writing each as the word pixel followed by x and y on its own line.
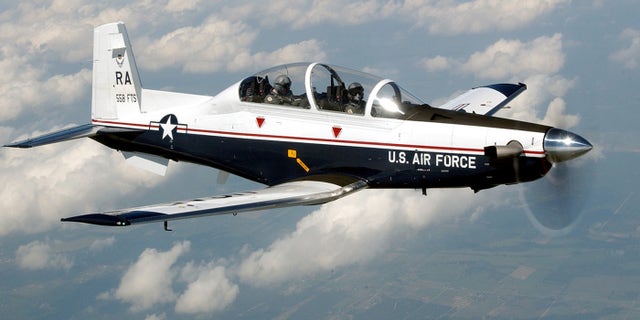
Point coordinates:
pixel 329 88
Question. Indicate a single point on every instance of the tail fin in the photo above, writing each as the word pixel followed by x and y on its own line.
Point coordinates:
pixel 116 86
pixel 116 83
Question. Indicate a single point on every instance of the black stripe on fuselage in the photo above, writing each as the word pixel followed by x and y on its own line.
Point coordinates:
pixel 426 113
pixel 273 162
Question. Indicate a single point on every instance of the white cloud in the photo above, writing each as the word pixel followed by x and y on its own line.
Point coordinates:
pixel 39 255
pixel 155 316
pixel 447 17
pixel 182 5
pixel 209 290
pixel 437 63
pixel 43 35
pixel 27 88
pixel 535 63
pixel 204 48
pixel 149 280
pixel 47 31
pixel 439 17
pixel 543 102
pixel 342 233
pixel 220 44
pixel 36 38
pixel 308 50
pixel 629 56
pixel 556 116
pixel 302 14
pixel 42 185
pixel 100 244
pixel 351 230
pixel 507 58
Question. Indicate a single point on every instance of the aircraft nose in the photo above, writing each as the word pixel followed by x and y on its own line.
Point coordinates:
pixel 561 145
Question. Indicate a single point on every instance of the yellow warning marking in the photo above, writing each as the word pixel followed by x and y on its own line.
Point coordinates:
pixel 292 153
pixel 304 166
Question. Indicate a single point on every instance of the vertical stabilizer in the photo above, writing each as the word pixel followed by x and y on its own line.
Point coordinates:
pixel 116 87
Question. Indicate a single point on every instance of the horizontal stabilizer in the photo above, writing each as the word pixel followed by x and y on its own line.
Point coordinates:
pixel 86 130
pixel 83 131
pixel 288 194
pixel 485 100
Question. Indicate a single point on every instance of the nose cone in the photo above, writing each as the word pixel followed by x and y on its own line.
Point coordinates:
pixel 561 145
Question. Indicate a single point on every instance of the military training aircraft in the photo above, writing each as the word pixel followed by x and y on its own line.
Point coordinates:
pixel 311 132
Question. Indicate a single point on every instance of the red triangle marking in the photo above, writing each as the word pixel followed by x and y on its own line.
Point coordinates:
pixel 336 131
pixel 260 121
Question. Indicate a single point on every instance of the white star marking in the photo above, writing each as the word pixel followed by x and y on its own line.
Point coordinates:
pixel 167 129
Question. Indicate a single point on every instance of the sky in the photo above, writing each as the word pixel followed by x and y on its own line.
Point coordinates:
pixel 579 59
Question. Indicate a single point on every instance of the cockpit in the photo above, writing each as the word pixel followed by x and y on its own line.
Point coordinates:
pixel 327 88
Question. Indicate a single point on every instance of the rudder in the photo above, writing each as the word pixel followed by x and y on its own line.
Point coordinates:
pixel 116 88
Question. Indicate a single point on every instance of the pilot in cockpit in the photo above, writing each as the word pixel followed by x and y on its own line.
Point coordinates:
pixel 281 92
pixel 355 95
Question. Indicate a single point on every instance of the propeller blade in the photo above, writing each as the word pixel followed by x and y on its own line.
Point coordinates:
pixel 555 203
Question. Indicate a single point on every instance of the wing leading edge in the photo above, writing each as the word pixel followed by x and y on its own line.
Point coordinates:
pixel 306 192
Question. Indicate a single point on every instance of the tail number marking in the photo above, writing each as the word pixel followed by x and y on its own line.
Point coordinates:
pixel 126 97
pixel 123 78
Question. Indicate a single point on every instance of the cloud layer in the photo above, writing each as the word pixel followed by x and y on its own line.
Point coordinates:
pixel 629 56
pixel 352 230
pixel 148 281
pixel 151 279
pixel 209 289
pixel 47 183
pixel 447 17
pixel 34 81
pixel 536 63
pixel 45 55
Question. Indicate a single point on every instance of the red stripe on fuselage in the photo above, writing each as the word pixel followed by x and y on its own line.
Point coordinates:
pixel 268 136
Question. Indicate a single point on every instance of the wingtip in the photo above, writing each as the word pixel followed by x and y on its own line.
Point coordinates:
pixel 98 219
pixel 17 145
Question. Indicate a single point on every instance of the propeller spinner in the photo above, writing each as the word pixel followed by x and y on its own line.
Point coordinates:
pixel 561 145
pixel 556 202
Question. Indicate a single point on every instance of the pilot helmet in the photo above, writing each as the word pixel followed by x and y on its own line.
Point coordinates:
pixel 356 91
pixel 282 84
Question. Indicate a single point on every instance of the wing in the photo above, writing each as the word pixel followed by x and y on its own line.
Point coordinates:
pixel 305 192
pixel 485 100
